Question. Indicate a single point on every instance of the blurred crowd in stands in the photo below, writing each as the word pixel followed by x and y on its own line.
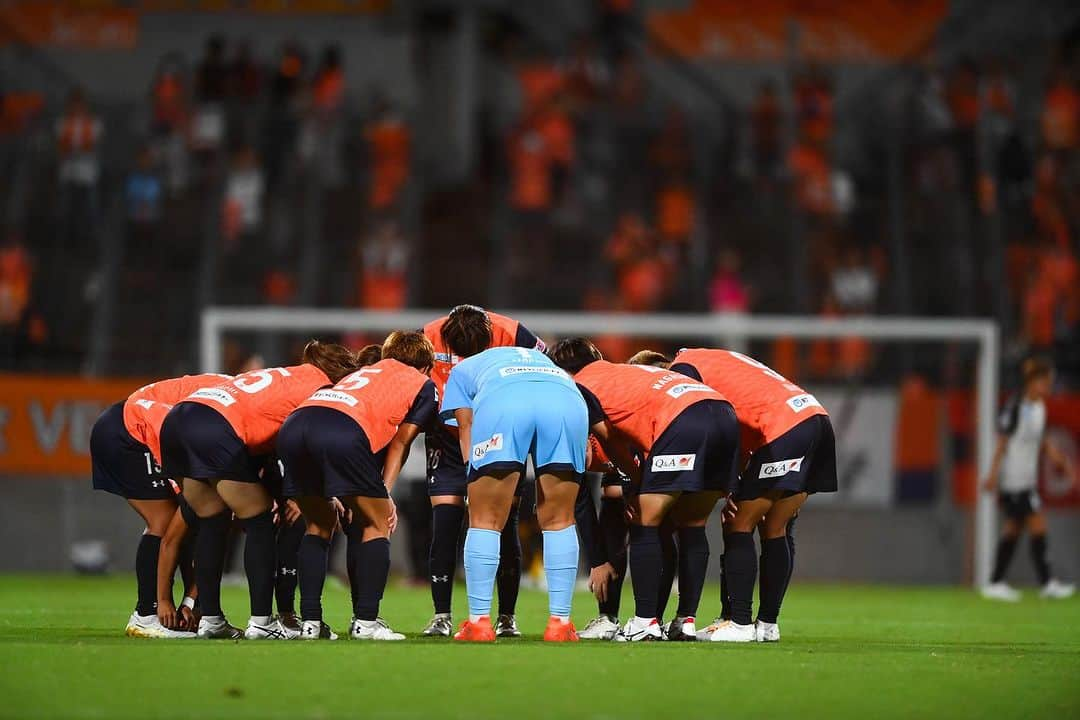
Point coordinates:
pixel 244 180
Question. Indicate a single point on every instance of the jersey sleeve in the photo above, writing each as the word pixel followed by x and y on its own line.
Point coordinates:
pixel 686 369
pixel 1009 417
pixel 425 407
pixel 596 412
pixel 527 339
pixel 458 393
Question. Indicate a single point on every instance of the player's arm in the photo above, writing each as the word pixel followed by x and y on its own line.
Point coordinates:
pixel 1061 461
pixel 168 559
pixel 989 483
pixel 464 421
pixel 423 413
pixel 618 451
pixel 528 339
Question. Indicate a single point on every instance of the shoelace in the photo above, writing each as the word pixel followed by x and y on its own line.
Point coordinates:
pixel 594 623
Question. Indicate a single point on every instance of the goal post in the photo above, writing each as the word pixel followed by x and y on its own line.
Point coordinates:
pixel 981 333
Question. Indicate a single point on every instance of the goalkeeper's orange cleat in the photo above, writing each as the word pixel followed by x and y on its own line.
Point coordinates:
pixel 479 631
pixel 559 631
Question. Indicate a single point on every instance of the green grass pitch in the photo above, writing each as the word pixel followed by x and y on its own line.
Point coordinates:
pixel 847 652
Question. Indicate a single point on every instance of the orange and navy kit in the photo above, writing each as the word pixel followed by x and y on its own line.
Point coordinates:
pixel 228 431
pixel 787 439
pixel 445 468
pixel 125 447
pixel 333 444
pixel 686 430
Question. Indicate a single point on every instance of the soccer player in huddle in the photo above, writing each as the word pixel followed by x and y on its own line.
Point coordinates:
pixel 509 403
pixel 218 440
pixel 790 452
pixel 350 442
pixel 1014 476
pixel 125 452
pixel 467 329
pixel 687 434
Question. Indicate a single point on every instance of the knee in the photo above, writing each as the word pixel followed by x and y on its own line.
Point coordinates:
pixel 554 518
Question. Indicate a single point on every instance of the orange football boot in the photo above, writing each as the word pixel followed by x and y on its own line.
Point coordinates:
pixel 479 631
pixel 559 631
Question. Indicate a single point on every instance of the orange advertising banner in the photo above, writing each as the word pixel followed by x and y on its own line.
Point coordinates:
pixel 824 30
pixel 45 421
pixel 80 26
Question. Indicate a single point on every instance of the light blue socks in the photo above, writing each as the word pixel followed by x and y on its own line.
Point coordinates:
pixel 560 568
pixel 481 565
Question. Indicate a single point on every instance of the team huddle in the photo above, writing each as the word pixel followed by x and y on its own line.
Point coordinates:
pixel 296 454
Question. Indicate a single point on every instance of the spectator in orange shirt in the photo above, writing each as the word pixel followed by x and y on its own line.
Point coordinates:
pixel 811 178
pixel 641 272
pixel 1061 112
pixel 814 105
pixel 384 260
pixel 16 275
pixel 390 155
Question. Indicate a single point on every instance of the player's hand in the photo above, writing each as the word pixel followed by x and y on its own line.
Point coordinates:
pixel 728 513
pixel 167 615
pixel 599 577
pixel 292 511
pixel 344 514
pixel 189 619
pixel 393 518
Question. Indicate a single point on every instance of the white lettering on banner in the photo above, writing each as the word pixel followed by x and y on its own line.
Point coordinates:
pixel 335 396
pixel 673 463
pixel 801 402
pixel 481 449
pixel 48 430
pixel 780 468
pixel 683 388
pixel 519 370
pixel 218 395
pixel 865 427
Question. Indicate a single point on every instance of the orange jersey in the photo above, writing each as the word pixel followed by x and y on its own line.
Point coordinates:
pixel 256 403
pixel 504 333
pixel 379 398
pixel 640 401
pixel 766 403
pixel 146 408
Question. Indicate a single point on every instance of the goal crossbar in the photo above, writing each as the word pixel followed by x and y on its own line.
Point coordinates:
pixel 984 334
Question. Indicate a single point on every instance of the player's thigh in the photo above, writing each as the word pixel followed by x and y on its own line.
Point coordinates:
pixel 750 513
pixel 649 509
pixel 556 495
pixel 246 499
pixel 458 500
pixel 693 509
pixel 780 514
pixel 1036 523
pixel 157 514
pixel 203 498
pixel 319 514
pixel 490 498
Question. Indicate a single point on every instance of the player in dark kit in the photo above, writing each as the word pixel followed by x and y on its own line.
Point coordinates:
pixel 349 442
pixel 788 440
pixel 466 326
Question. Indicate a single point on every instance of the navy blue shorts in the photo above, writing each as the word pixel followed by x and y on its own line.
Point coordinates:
pixel 696 453
pixel 446 472
pixel 801 460
pixel 121 464
pixel 198 442
pixel 325 453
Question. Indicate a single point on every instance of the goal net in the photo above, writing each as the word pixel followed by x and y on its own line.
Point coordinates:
pixel 913 402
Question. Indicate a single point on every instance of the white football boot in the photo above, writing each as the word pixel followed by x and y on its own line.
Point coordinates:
pixel 766 631
pixel 1001 591
pixel 376 629
pixel 639 630
pixel 142 626
pixel 265 629
pixel 731 631
pixel 1054 589
pixel 316 630
pixel 603 627
pixel 213 627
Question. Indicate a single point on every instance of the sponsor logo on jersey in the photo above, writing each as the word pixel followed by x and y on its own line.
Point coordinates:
pixel 677 391
pixel 780 468
pixel 523 369
pixel 480 449
pixel 335 396
pixel 801 402
pixel 673 463
pixel 218 395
